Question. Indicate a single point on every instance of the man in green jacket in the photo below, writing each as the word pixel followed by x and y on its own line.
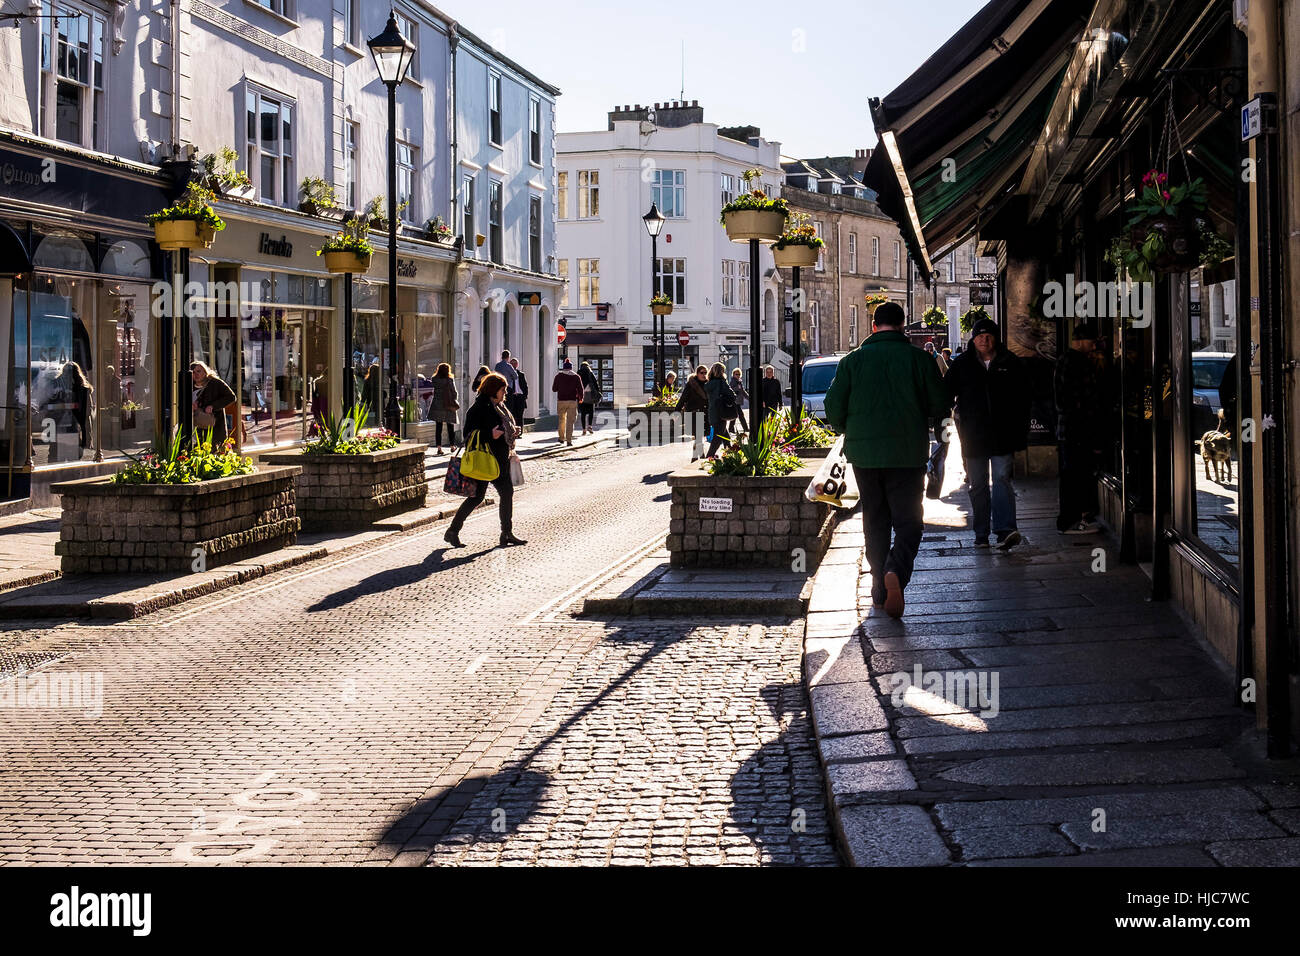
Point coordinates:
pixel 884 396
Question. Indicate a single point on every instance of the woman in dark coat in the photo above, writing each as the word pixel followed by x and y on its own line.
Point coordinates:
pixel 211 395
pixel 486 419
pixel 694 400
pixel 372 389
pixel 443 404
pixel 590 393
pixel 720 396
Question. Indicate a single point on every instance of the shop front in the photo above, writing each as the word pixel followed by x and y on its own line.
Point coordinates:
pixel 80 373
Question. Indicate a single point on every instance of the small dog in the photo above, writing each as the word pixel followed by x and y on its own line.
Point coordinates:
pixel 1216 447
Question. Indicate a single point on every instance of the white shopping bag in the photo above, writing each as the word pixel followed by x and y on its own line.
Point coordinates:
pixel 835 482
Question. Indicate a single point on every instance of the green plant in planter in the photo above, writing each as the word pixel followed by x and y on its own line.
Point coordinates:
pixel 317 195
pixel 1214 248
pixel 663 397
pixel 806 432
pixel 438 230
pixel 754 200
pixel 348 435
pixel 376 210
pixel 353 238
pixel 661 299
pixel 877 298
pixel 176 464
pixel 221 170
pixel 799 231
pixel 934 318
pixel 195 204
pixel 760 457
pixel 971 316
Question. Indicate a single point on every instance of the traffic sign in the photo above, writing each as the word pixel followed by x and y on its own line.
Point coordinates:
pixel 683 338
pixel 560 334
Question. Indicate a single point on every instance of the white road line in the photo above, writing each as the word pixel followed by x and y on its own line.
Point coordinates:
pixel 478 662
pixel 541 615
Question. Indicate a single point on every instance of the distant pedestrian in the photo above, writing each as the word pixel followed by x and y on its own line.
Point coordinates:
pixel 772 397
pixel 694 406
pixel 991 388
pixel 1081 430
pixel 373 390
pixel 520 394
pixel 723 406
pixel 211 396
pixel 80 394
pixel 947 355
pixel 882 399
pixel 507 371
pixel 670 383
pixel 482 373
pixel 742 396
pixel 443 404
pixel 590 395
pixel 488 419
pixel 938 358
pixel 568 391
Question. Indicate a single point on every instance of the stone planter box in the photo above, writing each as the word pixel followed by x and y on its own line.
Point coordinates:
pixel 341 492
pixel 161 528
pixel 818 454
pixel 769 519
pixel 654 426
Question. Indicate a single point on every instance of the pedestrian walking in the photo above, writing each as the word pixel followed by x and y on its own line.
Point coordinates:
pixel 483 372
pixel 740 422
pixel 489 420
pixel 80 394
pixel 590 395
pixel 520 395
pixel 211 396
pixel 883 396
pixel 507 371
pixel 990 386
pixel 373 390
pixel 772 398
pixel 443 404
pixel 670 383
pixel 568 391
pixel 723 406
pixel 938 358
pixel 1080 430
pixel 694 406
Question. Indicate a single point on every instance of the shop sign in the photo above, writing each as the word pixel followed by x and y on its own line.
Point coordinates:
pixel 1252 120
pixel 981 293
pixel 275 247
pixel 407 268
pixel 530 298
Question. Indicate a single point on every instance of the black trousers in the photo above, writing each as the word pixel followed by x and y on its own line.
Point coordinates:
pixel 506 502
pixel 893 515
pixel 437 432
pixel 1078 483
pixel 586 414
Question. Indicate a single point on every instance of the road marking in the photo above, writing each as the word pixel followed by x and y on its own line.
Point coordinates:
pixel 545 615
pixel 478 662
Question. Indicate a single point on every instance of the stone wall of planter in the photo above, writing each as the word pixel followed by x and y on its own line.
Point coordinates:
pixel 769 519
pixel 656 425
pixel 159 528
pixel 340 492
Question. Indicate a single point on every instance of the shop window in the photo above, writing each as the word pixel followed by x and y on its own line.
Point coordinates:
pixel 676 359
pixel 72 75
pixel 1213 441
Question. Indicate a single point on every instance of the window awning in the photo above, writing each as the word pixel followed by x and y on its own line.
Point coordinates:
pixel 956 135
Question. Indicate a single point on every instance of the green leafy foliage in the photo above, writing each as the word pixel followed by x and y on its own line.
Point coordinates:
pixel 195 204
pixel 661 299
pixel 176 464
pixel 805 432
pixel 663 397
pixel 354 238
pixel 934 318
pixel 221 168
pixel 754 200
pixel 760 457
pixel 349 436
pixel 971 316
pixel 799 231
pixel 317 191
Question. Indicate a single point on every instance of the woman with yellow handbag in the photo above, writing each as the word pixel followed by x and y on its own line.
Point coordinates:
pixel 487 458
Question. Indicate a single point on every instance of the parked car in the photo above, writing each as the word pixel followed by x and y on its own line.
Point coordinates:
pixel 1207 377
pixel 818 373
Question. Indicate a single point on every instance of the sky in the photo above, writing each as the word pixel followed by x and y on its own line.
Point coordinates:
pixel 802 73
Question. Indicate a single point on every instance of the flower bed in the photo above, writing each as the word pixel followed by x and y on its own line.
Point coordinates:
pixel 768 519
pixel 347 491
pixel 110 526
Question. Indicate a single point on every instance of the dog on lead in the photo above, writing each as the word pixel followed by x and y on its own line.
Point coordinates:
pixel 1216 449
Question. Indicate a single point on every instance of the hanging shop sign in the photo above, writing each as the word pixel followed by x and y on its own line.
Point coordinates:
pixel 981 293
pixel 530 298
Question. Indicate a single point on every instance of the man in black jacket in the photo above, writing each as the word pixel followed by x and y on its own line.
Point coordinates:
pixel 519 400
pixel 991 389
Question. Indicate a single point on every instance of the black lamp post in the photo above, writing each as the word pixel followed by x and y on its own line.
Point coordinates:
pixel 392 53
pixel 654 224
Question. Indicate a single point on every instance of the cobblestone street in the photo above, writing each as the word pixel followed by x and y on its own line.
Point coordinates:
pixel 351 710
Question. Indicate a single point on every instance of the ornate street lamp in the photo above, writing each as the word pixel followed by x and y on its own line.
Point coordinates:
pixel 392 53
pixel 654 223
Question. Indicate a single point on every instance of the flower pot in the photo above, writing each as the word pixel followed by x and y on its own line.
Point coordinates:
pixel 765 225
pixel 796 257
pixel 343 261
pixel 1182 251
pixel 661 309
pixel 176 234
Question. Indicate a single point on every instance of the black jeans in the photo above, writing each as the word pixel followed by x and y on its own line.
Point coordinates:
pixel 437 432
pixel 586 415
pixel 1079 464
pixel 505 494
pixel 892 507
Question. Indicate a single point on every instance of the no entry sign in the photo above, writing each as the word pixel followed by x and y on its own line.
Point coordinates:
pixel 683 338
pixel 560 334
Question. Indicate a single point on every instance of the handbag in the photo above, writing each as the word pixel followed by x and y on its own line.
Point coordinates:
pixel 204 419
pixel 455 483
pixel 516 471
pixel 834 483
pixel 478 462
pixel 589 395
pixel 934 470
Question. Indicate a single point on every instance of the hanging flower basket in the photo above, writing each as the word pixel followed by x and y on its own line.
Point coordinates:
pixel 799 246
pixel 765 225
pixel 181 234
pixel 661 309
pixel 190 223
pixel 796 257
pixel 344 261
pixel 349 251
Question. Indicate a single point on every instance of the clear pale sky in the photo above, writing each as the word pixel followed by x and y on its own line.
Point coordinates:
pixel 743 59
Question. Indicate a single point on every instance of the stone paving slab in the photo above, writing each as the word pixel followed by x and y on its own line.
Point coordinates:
pixel 652 588
pixel 1103 701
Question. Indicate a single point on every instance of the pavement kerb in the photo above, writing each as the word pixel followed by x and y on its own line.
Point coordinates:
pixel 853 734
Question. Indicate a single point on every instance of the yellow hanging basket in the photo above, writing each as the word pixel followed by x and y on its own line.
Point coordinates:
pixel 174 234
pixel 344 261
